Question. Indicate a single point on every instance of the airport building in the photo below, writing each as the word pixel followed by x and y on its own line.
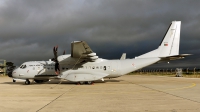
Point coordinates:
pixel 2 67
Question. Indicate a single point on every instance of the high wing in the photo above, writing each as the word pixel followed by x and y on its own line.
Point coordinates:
pixel 80 49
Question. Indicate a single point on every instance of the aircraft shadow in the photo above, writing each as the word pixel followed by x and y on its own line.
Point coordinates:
pixel 59 82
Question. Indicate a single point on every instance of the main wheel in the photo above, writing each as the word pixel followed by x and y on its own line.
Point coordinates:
pixel 89 82
pixel 14 80
pixel 81 82
pixel 27 82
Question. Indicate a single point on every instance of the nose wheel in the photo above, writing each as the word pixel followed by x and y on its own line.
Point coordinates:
pixel 27 82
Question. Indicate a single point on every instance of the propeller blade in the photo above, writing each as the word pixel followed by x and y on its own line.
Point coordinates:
pixel 55 49
pixel 10 70
pixel 57 67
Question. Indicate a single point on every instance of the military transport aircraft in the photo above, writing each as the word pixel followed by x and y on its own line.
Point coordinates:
pixel 84 66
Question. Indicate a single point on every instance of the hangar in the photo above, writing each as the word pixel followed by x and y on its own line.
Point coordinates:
pixel 2 67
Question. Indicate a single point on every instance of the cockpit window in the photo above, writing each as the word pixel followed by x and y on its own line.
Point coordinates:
pixel 23 66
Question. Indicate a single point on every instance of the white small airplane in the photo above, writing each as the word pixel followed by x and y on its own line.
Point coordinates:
pixel 84 66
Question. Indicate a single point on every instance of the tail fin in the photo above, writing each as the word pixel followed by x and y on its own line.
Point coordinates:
pixel 169 46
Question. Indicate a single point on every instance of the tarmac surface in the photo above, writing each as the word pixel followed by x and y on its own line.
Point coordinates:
pixel 129 93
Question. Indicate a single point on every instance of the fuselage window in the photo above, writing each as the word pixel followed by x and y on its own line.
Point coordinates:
pixel 23 66
pixel 93 67
pixel 100 67
pixel 104 67
pixel 97 67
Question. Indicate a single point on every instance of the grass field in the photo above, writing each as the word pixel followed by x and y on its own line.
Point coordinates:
pixel 173 74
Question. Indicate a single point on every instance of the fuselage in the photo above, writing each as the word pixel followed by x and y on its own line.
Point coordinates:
pixel 115 68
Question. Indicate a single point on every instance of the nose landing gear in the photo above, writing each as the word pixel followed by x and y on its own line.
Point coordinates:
pixel 27 82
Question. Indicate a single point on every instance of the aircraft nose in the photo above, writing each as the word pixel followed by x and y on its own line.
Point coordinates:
pixel 11 73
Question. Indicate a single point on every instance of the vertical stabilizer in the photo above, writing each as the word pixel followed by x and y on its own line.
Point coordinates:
pixel 169 46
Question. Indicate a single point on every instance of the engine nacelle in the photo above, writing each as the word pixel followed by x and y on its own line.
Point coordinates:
pixel 92 54
pixel 94 57
pixel 63 57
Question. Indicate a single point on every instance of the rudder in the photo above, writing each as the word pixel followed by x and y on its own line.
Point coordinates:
pixel 170 44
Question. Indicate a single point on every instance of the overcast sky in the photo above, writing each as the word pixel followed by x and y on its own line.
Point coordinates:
pixel 30 28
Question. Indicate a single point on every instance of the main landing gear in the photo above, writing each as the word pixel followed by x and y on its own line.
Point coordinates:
pixel 27 82
pixel 87 82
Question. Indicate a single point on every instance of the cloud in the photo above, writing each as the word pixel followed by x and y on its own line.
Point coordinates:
pixel 30 29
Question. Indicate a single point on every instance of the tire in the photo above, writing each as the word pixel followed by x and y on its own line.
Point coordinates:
pixel 81 82
pixel 27 82
pixel 89 82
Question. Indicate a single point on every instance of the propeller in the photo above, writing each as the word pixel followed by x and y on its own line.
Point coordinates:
pixel 55 59
pixel 57 68
pixel 10 70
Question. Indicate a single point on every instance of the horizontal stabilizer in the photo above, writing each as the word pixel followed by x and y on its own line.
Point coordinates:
pixel 174 57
